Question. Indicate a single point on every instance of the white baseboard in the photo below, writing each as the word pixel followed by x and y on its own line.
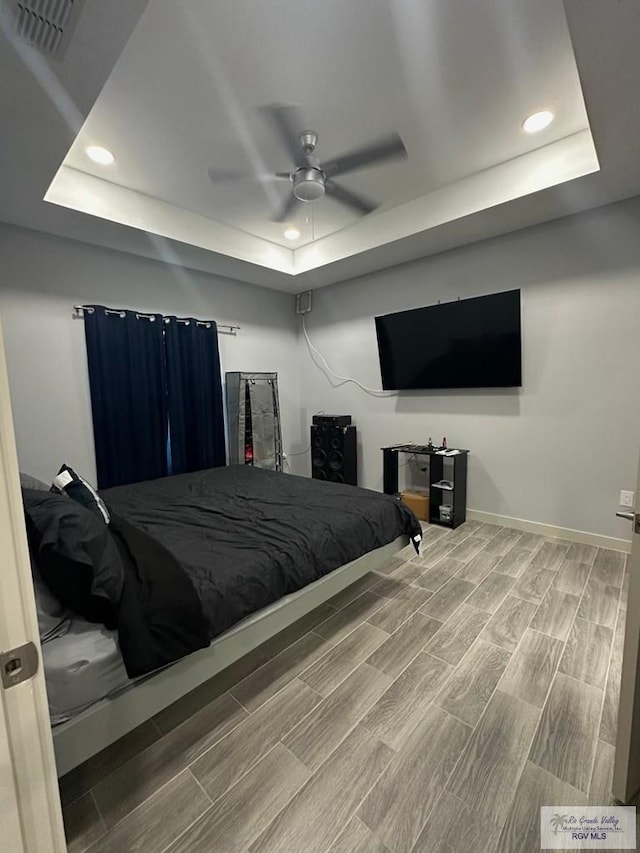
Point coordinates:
pixel 553 531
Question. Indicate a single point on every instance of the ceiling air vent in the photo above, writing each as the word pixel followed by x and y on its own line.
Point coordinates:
pixel 46 24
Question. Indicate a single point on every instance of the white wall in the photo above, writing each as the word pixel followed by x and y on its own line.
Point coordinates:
pixel 559 449
pixel 41 277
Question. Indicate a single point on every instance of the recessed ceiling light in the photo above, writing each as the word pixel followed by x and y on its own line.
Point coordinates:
pixel 292 233
pixel 537 121
pixel 100 155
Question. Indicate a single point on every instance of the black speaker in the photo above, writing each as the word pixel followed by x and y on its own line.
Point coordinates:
pixel 331 420
pixel 334 454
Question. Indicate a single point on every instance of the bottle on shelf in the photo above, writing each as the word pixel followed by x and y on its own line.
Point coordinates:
pixel 444 443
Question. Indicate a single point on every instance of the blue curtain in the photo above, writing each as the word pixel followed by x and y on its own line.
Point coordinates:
pixel 128 395
pixel 194 386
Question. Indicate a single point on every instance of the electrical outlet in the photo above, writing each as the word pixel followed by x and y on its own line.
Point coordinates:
pixel 626 498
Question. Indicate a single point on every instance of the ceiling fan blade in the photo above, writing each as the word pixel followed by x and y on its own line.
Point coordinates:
pixel 355 200
pixel 287 123
pixel 218 175
pixel 286 209
pixel 221 175
pixel 389 148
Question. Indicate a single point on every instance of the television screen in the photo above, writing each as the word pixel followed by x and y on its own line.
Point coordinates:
pixel 471 343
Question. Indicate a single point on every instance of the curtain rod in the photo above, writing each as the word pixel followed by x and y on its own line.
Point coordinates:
pixel 225 329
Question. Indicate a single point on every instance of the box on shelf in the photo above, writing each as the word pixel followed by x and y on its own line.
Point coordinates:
pixel 446 512
pixel 418 501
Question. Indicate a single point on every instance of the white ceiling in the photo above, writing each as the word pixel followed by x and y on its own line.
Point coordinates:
pixel 455 78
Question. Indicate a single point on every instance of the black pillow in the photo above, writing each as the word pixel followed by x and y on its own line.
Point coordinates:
pixel 76 555
pixel 69 482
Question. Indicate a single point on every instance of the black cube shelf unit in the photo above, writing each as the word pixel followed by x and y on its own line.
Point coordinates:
pixel 452 468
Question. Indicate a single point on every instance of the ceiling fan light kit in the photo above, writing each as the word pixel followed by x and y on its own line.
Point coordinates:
pixel 308 184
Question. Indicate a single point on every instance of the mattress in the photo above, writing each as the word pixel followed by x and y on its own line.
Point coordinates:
pixel 81 667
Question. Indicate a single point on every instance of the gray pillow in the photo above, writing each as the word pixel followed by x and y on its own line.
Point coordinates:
pixel 29 482
pixel 53 618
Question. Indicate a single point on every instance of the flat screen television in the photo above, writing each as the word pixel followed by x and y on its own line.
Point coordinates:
pixel 471 343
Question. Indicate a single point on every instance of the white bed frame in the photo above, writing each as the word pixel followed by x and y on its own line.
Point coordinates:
pixel 103 723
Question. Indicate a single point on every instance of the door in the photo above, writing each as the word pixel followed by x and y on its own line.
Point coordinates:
pixel 626 769
pixel 30 816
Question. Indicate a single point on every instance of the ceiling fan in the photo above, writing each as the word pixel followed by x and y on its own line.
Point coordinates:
pixel 310 179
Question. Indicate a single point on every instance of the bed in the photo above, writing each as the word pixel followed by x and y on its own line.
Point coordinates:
pixel 261 550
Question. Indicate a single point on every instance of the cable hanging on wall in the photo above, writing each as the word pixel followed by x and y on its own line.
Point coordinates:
pixel 225 329
pixel 331 374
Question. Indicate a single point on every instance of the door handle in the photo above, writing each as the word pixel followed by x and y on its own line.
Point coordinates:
pixel 628 516
pixel 633 517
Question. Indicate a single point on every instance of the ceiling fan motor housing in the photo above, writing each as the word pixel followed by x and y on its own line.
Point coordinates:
pixel 308 184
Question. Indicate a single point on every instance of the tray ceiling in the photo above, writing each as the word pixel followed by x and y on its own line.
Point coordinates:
pixel 455 79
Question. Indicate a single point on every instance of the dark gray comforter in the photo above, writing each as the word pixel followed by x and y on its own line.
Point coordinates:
pixel 246 537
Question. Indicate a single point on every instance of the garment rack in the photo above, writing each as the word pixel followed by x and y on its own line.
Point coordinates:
pixel 223 328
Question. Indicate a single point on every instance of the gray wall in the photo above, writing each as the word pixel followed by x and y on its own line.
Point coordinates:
pixel 556 451
pixel 41 277
pixel 559 449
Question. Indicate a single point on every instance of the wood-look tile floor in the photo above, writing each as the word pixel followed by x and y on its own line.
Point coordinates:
pixel 432 706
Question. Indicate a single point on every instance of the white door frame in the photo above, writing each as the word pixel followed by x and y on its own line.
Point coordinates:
pixel 31 818
pixel 626 768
